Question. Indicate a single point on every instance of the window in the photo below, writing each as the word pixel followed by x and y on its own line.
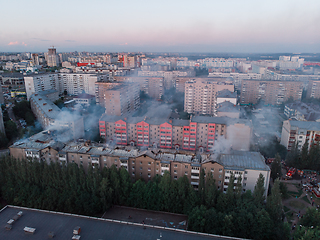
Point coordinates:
pixel 175 171
pixel 175 165
pixel 149 169
pixel 140 162
pixel 149 163
pixel 80 157
pixel 212 169
pixel 186 166
pixel 133 162
pixel 220 176
pixel 245 178
pixel 220 169
pixel 104 159
pixel 175 177
pixel 185 173
pixel 132 167
pixel 140 168
pixel 115 160
pixel 157 164
pixel 245 172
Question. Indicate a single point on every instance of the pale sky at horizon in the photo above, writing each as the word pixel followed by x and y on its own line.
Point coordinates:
pixel 160 26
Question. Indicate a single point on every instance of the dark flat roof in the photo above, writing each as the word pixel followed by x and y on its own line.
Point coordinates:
pixel 91 228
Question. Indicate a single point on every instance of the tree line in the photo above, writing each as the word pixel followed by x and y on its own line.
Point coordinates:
pixel 306 158
pixel 67 188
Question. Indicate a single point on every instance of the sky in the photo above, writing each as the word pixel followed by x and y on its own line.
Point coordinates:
pixel 161 26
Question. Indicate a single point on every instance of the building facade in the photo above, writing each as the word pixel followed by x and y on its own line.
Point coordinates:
pixel 198 134
pixel 200 95
pixel 271 92
pixel 298 132
pixel 121 99
pixel 73 83
pixel 146 164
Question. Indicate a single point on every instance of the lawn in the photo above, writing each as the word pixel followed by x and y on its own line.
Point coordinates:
pixel 297 204
pixel 290 216
pixel 296 194
pixel 305 198
pixel 286 209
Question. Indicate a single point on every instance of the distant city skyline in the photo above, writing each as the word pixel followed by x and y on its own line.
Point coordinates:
pixel 161 26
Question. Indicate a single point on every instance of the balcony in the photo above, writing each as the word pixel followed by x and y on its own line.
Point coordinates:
pixel 194 177
pixel 195 183
pixel 195 171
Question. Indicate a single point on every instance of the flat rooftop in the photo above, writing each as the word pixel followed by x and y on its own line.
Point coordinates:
pixel 91 228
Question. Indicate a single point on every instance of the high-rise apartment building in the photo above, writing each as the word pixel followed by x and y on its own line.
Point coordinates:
pixel 53 59
pixel 73 83
pixel 153 86
pixel 200 95
pixel 121 99
pixel 35 59
pixel 270 91
pixel 101 88
pixel 313 90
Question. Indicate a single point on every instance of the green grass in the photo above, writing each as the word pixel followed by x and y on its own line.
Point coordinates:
pixel 297 204
pixel 296 194
pixel 286 209
pixel 305 198
pixel 289 216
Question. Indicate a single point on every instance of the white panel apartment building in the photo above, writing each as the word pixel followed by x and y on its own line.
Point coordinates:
pixel 200 95
pixel 248 166
pixel 298 132
pixel 73 83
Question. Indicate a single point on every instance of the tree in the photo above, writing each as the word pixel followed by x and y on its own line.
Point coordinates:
pixel 11 130
pixel 211 191
pixel 259 191
pixel 275 210
pixel 201 189
pixel 197 221
pixel 262 227
pixel 276 167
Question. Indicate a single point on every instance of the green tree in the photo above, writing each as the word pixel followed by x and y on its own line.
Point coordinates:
pixel 211 191
pixel 11 130
pixel 201 189
pixel 276 167
pixel 259 191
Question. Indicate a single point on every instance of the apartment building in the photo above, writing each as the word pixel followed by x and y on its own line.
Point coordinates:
pixel 51 117
pixel 53 59
pixel 121 99
pixel 302 111
pixel 101 88
pixel 237 77
pixel 198 134
pixel 200 95
pixel 145 164
pixel 313 90
pixel 247 166
pixel 271 92
pixel 298 132
pixel 73 83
